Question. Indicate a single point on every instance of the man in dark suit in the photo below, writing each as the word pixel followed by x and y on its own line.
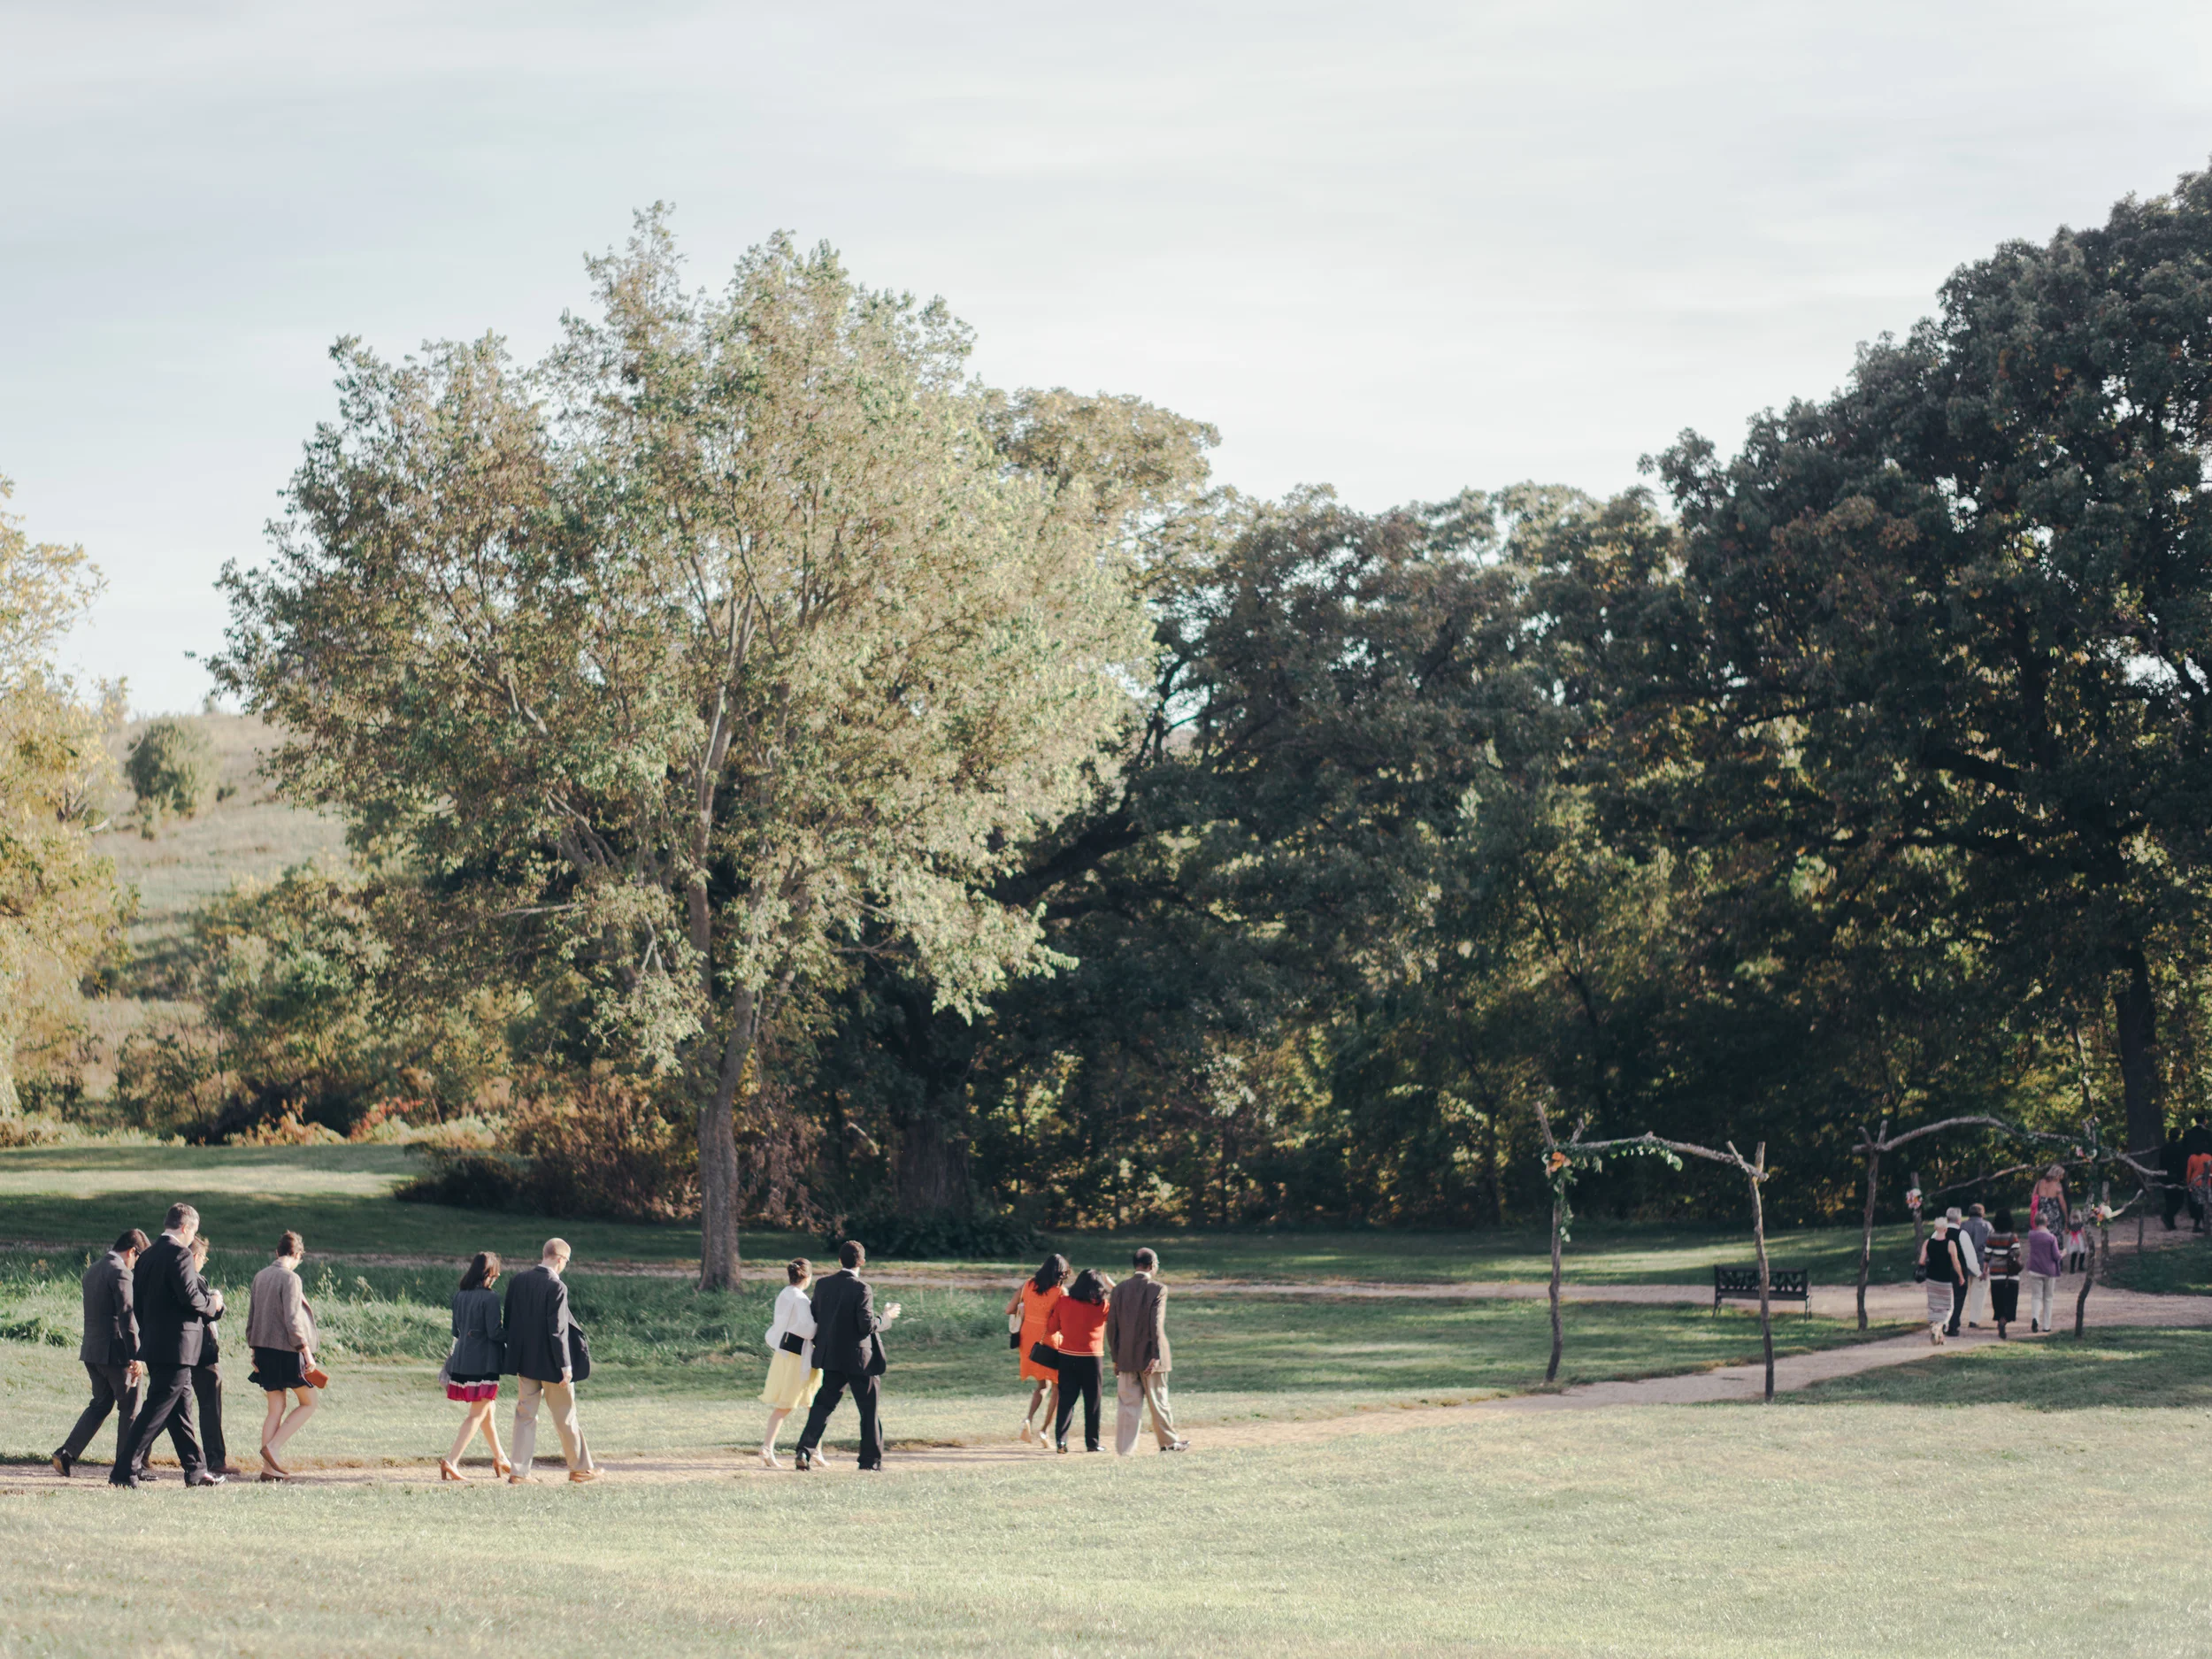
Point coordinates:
pixel 207 1380
pixel 110 1351
pixel 172 1302
pixel 848 1348
pixel 540 1356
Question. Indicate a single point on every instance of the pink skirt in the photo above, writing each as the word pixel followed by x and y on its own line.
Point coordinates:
pixel 470 1392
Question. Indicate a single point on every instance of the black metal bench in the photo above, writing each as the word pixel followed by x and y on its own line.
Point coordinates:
pixel 1783 1285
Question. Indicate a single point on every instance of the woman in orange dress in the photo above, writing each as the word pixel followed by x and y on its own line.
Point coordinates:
pixel 1034 1301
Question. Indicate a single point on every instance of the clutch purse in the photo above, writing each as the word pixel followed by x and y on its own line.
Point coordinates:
pixel 1044 1354
pixel 791 1342
pixel 317 1377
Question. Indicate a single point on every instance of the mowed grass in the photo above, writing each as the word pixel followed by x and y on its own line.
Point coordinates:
pixel 679 1371
pixel 1663 1532
pixel 2157 1370
pixel 340 1198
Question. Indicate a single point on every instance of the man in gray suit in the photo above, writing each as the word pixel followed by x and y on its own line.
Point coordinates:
pixel 109 1350
pixel 539 1355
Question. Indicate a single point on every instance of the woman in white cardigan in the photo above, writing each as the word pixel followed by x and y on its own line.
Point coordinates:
pixel 791 1378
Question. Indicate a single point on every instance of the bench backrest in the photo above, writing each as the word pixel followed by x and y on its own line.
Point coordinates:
pixel 1744 1282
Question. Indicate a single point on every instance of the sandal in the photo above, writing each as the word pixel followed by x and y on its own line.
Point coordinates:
pixel 501 1468
pixel 270 1465
pixel 447 1472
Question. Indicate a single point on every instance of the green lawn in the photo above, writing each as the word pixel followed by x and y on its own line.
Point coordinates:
pixel 1735 1533
pixel 338 1197
pixel 680 1371
pixel 2163 1370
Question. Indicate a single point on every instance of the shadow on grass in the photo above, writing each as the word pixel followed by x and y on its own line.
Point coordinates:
pixel 2144 1369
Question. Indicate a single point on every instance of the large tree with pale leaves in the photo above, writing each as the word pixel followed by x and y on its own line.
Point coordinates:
pixel 722 647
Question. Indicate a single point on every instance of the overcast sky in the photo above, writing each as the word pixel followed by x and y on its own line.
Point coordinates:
pixel 1398 248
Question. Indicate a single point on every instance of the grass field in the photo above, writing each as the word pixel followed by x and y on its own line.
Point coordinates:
pixel 677 1371
pixel 1664 1532
pixel 338 1196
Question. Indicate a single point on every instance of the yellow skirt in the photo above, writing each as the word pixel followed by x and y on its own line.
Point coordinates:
pixel 790 1385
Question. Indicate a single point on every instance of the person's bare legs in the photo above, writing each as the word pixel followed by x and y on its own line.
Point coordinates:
pixel 274 1438
pixel 768 1440
pixel 269 1424
pixel 501 1465
pixel 477 1416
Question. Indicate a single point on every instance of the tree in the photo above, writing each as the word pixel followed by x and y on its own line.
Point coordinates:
pixel 172 769
pixel 1962 612
pixel 722 643
pixel 60 910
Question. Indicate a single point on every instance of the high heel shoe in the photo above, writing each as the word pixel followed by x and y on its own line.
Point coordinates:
pixel 270 1463
pixel 447 1472
pixel 501 1468
pixel 768 1459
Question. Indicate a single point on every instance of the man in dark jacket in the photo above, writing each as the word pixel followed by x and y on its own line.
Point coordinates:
pixel 110 1351
pixel 172 1302
pixel 207 1380
pixel 848 1348
pixel 542 1362
pixel 1136 1336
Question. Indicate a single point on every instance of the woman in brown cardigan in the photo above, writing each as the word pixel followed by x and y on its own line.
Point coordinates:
pixel 281 1330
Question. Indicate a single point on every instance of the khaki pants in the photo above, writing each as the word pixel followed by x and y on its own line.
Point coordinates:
pixel 561 1398
pixel 1133 1392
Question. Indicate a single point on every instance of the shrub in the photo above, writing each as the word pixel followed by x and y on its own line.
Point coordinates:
pixel 987 1232
pixel 607 1150
pixel 172 769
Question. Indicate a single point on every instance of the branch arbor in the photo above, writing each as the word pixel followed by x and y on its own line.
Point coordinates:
pixel 721 645
pixel 1875 1144
pixel 1560 1164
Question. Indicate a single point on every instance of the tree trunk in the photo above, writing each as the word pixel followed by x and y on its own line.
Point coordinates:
pixel 1551 1371
pixel 719 1266
pixel 2088 1278
pixel 1490 1165
pixel 1759 1237
pixel 1919 1235
pixel 2136 1016
pixel 933 1169
pixel 1866 1237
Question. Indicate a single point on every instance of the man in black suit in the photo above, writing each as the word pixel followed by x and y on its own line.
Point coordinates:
pixel 207 1380
pixel 542 1362
pixel 110 1351
pixel 172 1302
pixel 848 1348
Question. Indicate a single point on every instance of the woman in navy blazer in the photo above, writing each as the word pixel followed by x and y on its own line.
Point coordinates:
pixel 472 1369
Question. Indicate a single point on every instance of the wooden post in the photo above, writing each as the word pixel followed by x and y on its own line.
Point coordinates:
pixel 1551 1371
pixel 1919 1237
pixel 1866 1237
pixel 1759 1237
pixel 2088 1270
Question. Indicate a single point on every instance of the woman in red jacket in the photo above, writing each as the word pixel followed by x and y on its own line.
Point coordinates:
pixel 1076 1328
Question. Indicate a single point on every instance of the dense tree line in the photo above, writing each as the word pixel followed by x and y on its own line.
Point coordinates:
pixel 943 801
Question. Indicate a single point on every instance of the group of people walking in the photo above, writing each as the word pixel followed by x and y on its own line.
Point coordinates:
pixel 153 1355
pixel 825 1341
pixel 1973 1267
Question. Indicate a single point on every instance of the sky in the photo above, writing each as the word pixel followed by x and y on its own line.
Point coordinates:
pixel 1397 249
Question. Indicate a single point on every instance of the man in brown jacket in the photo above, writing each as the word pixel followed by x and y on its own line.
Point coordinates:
pixel 1136 1336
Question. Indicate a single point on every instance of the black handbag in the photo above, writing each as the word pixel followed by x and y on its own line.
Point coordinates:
pixel 1044 1354
pixel 578 1353
pixel 791 1342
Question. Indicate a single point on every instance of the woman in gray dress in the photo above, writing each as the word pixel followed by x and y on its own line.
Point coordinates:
pixel 472 1369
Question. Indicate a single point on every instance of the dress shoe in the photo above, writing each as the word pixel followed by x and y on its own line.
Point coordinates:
pixel 124 1485
pixel 63 1464
pixel 522 1480
pixel 203 1479
pixel 802 1460
pixel 1176 1445
pixel 580 1477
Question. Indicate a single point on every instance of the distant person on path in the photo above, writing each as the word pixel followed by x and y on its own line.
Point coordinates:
pixel 207 1380
pixel 109 1350
pixel 1034 1300
pixel 473 1368
pixel 1972 1266
pixel 2043 1268
pixel 2046 1204
pixel 1979 1232
pixel 2196 1142
pixel 849 1347
pixel 538 1355
pixel 2077 1250
pixel 792 1376
pixel 281 1330
pixel 1136 1337
pixel 2173 1173
pixel 1947 1274
pixel 2000 1269
pixel 171 1301
pixel 1076 1327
